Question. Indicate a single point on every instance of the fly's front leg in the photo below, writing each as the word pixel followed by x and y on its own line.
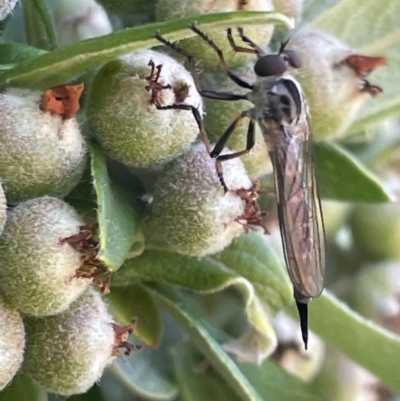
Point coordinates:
pixel 210 94
pixel 254 48
pixel 235 78
pixel 184 53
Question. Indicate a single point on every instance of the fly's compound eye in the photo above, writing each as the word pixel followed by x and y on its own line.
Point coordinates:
pixel 273 64
pixel 292 58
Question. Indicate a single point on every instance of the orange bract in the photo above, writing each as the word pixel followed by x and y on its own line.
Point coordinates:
pixel 62 100
pixel 363 65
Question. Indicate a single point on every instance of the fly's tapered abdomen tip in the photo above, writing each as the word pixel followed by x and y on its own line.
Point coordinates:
pixel 303 314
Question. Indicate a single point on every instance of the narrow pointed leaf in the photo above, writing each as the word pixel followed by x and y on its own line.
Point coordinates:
pixel 134 301
pixel 146 373
pixel 117 220
pixel 199 334
pixel 342 177
pixel 198 384
pixel 62 64
pixel 39 25
pixel 23 388
pixel 369 345
pixel 276 384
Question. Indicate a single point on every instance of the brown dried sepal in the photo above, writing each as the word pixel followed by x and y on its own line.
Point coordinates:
pixel 62 100
pixel 86 243
pixel 252 216
pixel 363 65
pixel 181 91
pixel 154 86
pixel 121 338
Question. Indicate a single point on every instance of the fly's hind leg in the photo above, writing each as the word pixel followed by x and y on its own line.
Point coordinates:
pixel 216 152
pixel 219 146
pixel 203 135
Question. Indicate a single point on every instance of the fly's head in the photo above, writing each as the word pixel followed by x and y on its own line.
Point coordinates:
pixel 277 64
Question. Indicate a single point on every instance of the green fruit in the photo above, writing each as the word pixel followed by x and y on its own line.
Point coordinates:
pixel 333 90
pixel 375 293
pixel 37 269
pixel 376 229
pixel 79 20
pixel 3 208
pixel 128 126
pixel 68 352
pixel 190 213
pixel 40 153
pixel 12 342
pixel 129 6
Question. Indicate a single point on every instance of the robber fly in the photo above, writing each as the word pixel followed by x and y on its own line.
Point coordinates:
pixel 280 110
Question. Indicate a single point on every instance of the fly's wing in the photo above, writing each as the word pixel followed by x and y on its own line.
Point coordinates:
pixel 299 207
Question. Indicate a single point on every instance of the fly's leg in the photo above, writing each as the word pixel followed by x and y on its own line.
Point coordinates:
pixel 192 65
pixel 254 48
pixel 226 135
pixel 235 78
pixel 203 135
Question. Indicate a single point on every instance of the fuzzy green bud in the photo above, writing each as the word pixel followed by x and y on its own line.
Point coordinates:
pixel 3 208
pixel 376 294
pixel 198 48
pixel 40 153
pixel 129 6
pixel 68 352
pixel 291 8
pixel 190 212
pixel 6 8
pixel 219 115
pixel 376 229
pixel 79 20
pixel 37 268
pixel 124 118
pixel 334 90
pixel 12 342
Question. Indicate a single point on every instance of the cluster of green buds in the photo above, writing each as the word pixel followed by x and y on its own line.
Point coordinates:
pixel 45 270
pixel 145 111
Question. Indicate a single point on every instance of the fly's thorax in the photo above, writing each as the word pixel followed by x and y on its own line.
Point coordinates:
pixel 279 98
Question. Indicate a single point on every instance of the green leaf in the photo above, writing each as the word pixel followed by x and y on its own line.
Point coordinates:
pixel 117 220
pixel 39 25
pixel 198 384
pixel 60 65
pixel 248 264
pixel 14 53
pixel 132 301
pixel 250 257
pixel 344 178
pixel 369 345
pixel 146 373
pixel 23 388
pixel 277 384
pixel 373 31
pixel 199 334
